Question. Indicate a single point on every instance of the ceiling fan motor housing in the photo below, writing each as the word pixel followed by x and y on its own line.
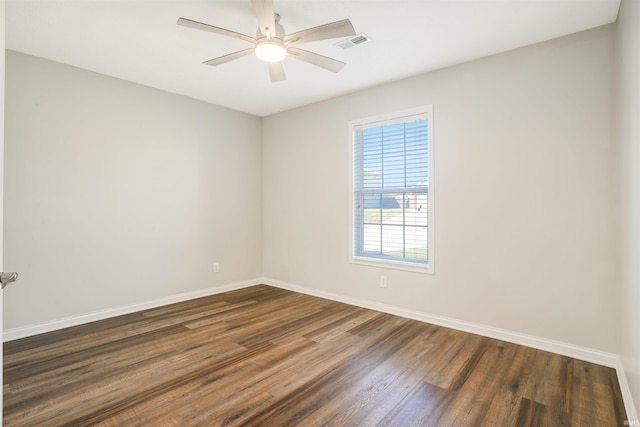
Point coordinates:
pixel 271 48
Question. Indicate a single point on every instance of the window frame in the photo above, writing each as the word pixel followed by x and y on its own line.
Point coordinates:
pixel 382 119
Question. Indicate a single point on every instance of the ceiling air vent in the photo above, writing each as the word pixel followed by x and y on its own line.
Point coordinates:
pixel 356 40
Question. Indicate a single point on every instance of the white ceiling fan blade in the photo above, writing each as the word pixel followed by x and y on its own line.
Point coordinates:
pixel 318 60
pixel 206 27
pixel 230 57
pixel 276 72
pixel 266 17
pixel 333 30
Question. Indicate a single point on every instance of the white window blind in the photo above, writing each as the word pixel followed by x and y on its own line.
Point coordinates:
pixel 391 189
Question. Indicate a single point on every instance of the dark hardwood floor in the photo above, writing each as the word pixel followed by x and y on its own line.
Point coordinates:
pixel 271 357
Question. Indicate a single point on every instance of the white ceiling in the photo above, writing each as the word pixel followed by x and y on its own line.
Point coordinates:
pixel 139 41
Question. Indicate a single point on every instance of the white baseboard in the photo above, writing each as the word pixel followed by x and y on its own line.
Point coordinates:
pixel 610 360
pixel 632 415
pixel 53 325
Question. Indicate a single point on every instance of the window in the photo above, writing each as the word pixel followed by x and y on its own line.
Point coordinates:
pixel 392 211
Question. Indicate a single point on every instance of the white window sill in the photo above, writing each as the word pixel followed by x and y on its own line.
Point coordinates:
pixel 394 265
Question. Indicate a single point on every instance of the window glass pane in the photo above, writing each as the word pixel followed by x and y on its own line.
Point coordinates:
pixel 393 228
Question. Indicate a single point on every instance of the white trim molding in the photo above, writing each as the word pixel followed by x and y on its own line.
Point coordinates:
pixel 53 325
pixel 610 360
pixel 632 415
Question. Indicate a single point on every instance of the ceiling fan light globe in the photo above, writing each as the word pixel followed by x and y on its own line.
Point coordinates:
pixel 271 50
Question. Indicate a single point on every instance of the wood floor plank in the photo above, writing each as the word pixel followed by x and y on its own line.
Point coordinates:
pixel 385 385
pixel 450 354
pixel 268 356
pixel 516 383
pixel 416 408
pixel 591 402
pixel 328 392
pixel 536 414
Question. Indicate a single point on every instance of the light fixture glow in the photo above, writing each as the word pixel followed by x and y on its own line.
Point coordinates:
pixel 271 50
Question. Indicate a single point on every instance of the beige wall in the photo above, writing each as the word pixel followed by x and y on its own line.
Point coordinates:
pixel 628 307
pixel 117 194
pixel 524 172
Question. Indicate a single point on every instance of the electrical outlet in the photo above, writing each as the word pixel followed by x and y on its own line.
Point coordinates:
pixel 383 281
pixel 216 267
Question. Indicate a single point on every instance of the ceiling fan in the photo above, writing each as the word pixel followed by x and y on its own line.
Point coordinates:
pixel 272 44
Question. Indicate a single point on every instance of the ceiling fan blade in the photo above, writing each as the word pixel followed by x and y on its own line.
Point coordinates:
pixel 276 72
pixel 266 17
pixel 318 60
pixel 206 27
pixel 333 30
pixel 230 57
